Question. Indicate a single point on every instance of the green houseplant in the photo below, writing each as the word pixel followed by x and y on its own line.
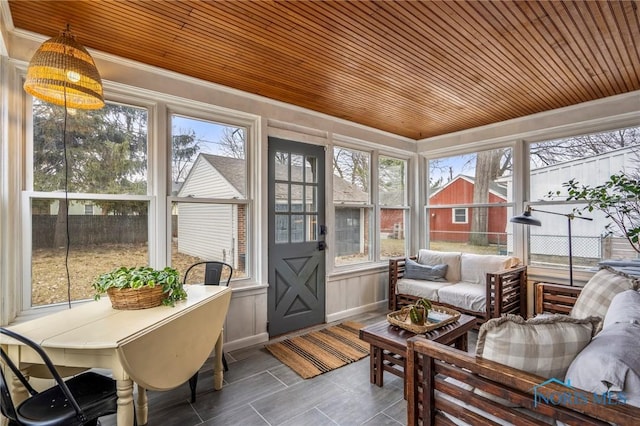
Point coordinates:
pixel 140 278
pixel 618 198
pixel 418 311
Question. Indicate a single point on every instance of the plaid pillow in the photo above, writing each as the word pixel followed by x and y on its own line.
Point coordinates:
pixel 542 346
pixel 597 294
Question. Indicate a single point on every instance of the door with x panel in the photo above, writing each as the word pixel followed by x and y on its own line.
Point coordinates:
pixel 296 296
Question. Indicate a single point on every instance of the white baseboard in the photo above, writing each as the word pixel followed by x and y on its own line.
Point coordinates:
pixel 337 316
pixel 246 342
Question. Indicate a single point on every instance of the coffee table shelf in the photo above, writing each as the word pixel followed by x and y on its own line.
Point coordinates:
pixel 388 344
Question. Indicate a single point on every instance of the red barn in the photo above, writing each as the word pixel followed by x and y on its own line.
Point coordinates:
pixel 454 223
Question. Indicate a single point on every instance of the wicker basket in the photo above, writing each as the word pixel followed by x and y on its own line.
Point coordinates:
pixel 401 319
pixel 138 298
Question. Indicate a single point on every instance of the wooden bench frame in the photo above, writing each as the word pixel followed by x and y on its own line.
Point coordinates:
pixel 506 292
pixel 430 363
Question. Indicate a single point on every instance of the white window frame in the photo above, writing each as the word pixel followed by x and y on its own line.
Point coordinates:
pixel 28 194
pixel 454 218
pixel 406 207
pixel 211 113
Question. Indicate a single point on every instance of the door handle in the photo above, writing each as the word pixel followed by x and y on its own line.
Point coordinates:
pixel 322 245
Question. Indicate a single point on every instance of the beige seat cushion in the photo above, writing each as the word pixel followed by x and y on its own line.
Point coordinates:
pixel 451 259
pixel 470 296
pixel 420 288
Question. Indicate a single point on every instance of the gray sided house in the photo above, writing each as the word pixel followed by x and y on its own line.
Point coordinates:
pixel 352 223
pixel 211 231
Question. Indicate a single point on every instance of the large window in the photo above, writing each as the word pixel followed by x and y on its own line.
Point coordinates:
pixel 394 208
pixel 209 179
pixel 467 202
pixel 588 160
pixel 352 203
pixel 87 197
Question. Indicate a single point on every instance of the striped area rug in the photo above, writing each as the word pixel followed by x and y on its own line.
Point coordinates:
pixel 321 351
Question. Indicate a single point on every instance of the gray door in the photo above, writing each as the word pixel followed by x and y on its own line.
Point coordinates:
pixel 296 296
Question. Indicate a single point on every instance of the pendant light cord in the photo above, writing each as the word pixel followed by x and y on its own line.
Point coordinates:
pixel 66 197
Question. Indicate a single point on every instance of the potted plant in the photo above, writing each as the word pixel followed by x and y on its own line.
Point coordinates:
pixel 140 287
pixel 418 311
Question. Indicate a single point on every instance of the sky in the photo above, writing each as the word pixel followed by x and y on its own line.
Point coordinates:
pixel 209 133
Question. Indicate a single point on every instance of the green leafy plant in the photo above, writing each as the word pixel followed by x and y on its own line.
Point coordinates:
pixel 618 198
pixel 418 311
pixel 142 276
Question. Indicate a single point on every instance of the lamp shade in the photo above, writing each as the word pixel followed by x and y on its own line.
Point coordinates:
pixel 526 219
pixel 63 72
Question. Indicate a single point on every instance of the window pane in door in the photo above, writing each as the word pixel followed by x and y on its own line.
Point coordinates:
pixel 282 228
pixel 282 197
pixel 297 228
pixel 297 165
pixel 310 169
pixel 297 198
pixel 311 197
pixel 312 227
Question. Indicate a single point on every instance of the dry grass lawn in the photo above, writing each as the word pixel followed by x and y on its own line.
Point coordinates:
pixel 49 282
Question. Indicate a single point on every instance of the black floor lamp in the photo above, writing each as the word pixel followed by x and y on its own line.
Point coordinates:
pixel 526 219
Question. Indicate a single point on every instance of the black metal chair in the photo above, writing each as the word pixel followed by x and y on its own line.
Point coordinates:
pixel 213 275
pixel 80 400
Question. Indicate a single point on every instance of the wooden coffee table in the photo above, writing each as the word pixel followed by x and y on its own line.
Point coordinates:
pixel 388 350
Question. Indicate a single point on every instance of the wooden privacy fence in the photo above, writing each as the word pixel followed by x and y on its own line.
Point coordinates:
pixel 86 230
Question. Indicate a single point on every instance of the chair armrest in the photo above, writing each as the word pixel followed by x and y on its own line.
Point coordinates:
pixel 396 271
pixel 507 291
pixel 555 298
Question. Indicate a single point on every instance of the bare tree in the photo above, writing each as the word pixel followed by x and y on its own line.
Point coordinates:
pixel 232 142
pixel 352 166
pixel 489 166
pixel 561 150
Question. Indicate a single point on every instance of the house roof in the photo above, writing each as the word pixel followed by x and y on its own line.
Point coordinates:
pixel 497 189
pixel 412 68
pixel 233 171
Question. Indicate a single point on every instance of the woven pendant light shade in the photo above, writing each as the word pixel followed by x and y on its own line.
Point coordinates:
pixel 62 72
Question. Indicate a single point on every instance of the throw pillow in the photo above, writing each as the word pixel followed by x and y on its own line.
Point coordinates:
pixel 610 363
pixel 451 259
pixel 542 346
pixel 624 308
pixel 476 266
pixel 596 296
pixel 417 271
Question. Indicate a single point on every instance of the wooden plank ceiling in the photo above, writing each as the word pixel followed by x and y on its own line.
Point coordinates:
pixel 416 69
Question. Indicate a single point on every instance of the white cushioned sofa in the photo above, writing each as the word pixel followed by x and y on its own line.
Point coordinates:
pixel 577 368
pixel 486 286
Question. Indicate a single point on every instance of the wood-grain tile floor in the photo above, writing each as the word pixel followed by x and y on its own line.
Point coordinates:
pixel 259 390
